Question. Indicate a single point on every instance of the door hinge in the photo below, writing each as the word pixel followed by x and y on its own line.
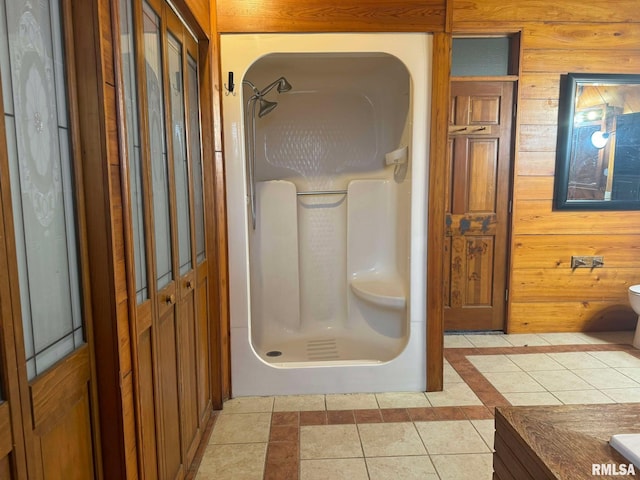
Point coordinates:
pixel 510 207
pixel 506 295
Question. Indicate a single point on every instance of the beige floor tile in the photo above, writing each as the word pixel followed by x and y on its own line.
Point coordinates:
pixel 558 380
pixel 604 378
pixel 241 428
pixel 525 340
pixel 531 362
pixel 292 403
pixel 578 397
pixel 532 398
pixel 617 359
pixel 488 341
pixel 450 374
pixel 334 469
pixel 351 401
pixel 404 468
pixel 511 382
pixel 454 395
pixel 456 341
pixel 233 462
pixel 563 338
pixel 632 372
pixel 486 429
pixel 464 467
pixel 402 400
pixel 248 405
pixel 493 363
pixel 573 360
pixel 623 395
pixel 329 441
pixel 451 436
pixel 390 439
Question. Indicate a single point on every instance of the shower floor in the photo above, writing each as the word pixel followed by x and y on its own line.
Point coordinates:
pixel 326 350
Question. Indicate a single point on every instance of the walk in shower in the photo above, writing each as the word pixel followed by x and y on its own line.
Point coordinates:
pixel 326 162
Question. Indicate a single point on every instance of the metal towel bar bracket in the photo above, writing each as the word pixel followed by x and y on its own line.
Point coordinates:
pixel 323 192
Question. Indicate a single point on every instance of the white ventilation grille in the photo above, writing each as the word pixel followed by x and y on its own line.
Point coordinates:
pixel 323 349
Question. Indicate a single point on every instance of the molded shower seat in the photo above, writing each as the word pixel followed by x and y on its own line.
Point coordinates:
pixel 387 292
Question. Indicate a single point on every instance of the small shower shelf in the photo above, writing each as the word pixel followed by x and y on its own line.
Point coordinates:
pixel 383 292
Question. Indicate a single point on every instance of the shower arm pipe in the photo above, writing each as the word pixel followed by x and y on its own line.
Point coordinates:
pixel 268 88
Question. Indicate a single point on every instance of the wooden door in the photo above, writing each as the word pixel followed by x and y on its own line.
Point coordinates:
pixel 160 81
pixel 179 47
pixel 45 247
pixel 12 456
pixel 477 208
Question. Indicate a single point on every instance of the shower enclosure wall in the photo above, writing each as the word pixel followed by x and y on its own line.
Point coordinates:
pixel 326 161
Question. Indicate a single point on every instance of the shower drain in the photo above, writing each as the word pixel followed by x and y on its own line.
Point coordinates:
pixel 274 353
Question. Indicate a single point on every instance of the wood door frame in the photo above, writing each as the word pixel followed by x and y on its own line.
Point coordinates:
pixel 441 75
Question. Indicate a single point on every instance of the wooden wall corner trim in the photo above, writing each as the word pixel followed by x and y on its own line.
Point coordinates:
pixel 441 71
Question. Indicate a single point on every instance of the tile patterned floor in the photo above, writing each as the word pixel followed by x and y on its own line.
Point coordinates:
pixel 412 435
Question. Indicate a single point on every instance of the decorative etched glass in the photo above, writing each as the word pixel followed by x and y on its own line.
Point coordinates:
pixel 41 176
pixel 195 147
pixel 127 46
pixel 158 146
pixel 180 168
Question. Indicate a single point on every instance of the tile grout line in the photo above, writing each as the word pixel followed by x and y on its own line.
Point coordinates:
pixel 457 358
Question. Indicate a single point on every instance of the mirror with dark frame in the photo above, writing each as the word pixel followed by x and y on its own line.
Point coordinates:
pixel 598 152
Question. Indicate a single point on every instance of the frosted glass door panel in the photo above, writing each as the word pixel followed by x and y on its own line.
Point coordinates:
pixel 133 148
pixel 181 171
pixel 158 146
pixel 41 177
pixel 196 157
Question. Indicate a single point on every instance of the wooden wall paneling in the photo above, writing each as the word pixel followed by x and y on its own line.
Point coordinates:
pixel 470 11
pixel 539 85
pixel 220 338
pixel 575 60
pixel 534 187
pixel 571 316
pixel 533 284
pixel 331 16
pixel 555 251
pixel 539 112
pixel 438 163
pixel 592 36
pixel 536 217
pixel 535 163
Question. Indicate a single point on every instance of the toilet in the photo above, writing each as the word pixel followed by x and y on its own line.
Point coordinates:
pixel 634 299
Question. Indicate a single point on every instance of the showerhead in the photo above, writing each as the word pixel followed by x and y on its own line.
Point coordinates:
pixel 265 107
pixel 283 85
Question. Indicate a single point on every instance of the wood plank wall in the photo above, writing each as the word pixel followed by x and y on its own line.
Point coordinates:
pixel 250 16
pixel 557 38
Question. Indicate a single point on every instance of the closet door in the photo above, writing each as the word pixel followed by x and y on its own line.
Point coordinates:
pixel 176 39
pixel 45 240
pixel 163 237
pixel 162 125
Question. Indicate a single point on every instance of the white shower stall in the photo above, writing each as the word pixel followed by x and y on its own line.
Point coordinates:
pixel 326 156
